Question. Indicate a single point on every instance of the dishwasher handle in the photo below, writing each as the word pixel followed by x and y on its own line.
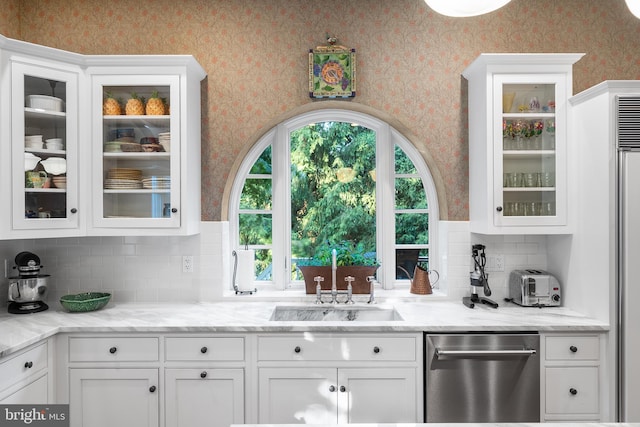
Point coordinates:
pixel 483 353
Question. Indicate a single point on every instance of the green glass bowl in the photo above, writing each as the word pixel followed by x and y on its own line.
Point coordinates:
pixel 87 301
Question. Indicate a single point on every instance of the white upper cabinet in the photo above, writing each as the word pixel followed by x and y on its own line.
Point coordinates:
pixel 145 166
pixel 519 169
pixel 44 147
pixel 71 169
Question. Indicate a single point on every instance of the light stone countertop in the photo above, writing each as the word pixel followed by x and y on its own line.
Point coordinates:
pixel 20 330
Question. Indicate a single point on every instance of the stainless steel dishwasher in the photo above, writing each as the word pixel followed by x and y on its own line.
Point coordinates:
pixel 482 378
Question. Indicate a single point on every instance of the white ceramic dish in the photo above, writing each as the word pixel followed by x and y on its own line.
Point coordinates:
pixel 44 102
pixel 55 165
pixel 30 161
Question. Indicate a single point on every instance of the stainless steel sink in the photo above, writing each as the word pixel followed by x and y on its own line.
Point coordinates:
pixel 324 313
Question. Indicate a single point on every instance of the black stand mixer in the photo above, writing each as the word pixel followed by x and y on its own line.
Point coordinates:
pixel 27 290
pixel 479 280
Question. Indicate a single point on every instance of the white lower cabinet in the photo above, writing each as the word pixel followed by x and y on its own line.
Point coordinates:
pixel 571 378
pixel 339 378
pixel 329 395
pixel 107 397
pixel 142 380
pixel 24 377
pixel 204 397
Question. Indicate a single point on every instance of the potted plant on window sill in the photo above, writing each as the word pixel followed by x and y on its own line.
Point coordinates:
pixel 351 260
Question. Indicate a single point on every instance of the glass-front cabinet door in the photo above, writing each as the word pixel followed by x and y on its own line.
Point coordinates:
pixel 519 169
pixel 44 143
pixel 136 145
pixel 530 150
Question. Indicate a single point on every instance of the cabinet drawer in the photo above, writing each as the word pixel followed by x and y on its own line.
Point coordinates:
pixel 337 348
pixel 114 349
pixel 205 348
pixel 572 348
pixel 571 390
pixel 22 365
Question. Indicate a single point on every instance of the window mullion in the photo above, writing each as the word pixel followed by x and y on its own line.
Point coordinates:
pixel 385 207
pixel 281 207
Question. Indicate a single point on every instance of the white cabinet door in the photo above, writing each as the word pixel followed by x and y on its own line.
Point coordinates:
pixel 377 395
pixel 132 187
pixel 113 397
pixel 204 397
pixel 519 143
pixel 572 390
pixel 344 395
pixel 44 176
pixel 297 396
pixel 35 392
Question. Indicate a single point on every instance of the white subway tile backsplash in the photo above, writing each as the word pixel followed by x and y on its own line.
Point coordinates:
pixel 149 269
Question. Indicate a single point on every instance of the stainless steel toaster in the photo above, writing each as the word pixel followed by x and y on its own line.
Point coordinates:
pixel 534 288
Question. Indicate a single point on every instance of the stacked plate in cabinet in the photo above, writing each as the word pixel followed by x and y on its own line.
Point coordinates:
pixel 164 138
pixel 156 182
pixel 123 178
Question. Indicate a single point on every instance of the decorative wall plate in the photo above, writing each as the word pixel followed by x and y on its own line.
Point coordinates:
pixel 332 71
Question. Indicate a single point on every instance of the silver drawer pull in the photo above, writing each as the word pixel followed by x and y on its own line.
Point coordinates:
pixel 484 353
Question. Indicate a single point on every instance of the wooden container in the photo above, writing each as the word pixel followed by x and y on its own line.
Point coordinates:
pixel 359 273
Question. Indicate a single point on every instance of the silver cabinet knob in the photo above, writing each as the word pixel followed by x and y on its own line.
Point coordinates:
pixel 332 388
pixel 203 374
pixel 343 388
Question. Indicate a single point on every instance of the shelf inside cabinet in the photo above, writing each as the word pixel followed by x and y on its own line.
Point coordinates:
pixel 45 190
pixel 138 191
pixel 527 154
pixel 159 155
pixel 44 118
pixel 127 120
pixel 527 189
pixel 529 115
pixel 45 152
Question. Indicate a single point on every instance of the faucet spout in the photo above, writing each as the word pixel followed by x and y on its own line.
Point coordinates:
pixel 334 269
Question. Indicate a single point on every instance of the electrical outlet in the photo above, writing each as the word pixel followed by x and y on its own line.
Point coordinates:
pixel 495 263
pixel 187 264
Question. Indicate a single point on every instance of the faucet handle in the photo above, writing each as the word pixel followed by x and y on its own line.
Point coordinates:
pixel 318 280
pixel 372 282
pixel 349 280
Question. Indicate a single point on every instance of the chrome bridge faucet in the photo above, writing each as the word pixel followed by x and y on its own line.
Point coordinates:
pixel 334 292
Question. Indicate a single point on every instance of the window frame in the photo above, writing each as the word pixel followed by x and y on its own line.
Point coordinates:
pixel 386 140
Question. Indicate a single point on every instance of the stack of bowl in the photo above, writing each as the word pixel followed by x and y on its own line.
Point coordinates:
pixel 33 142
pixel 59 181
pixel 54 144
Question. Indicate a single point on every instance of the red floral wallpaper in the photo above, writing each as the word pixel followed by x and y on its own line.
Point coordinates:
pixel 409 60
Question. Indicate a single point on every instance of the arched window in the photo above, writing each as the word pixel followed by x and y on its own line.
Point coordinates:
pixel 334 176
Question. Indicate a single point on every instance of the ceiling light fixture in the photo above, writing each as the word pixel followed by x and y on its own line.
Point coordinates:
pixel 464 8
pixel 634 7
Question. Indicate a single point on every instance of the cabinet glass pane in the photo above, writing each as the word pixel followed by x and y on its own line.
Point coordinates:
pixel 529 149
pixel 45 127
pixel 136 152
